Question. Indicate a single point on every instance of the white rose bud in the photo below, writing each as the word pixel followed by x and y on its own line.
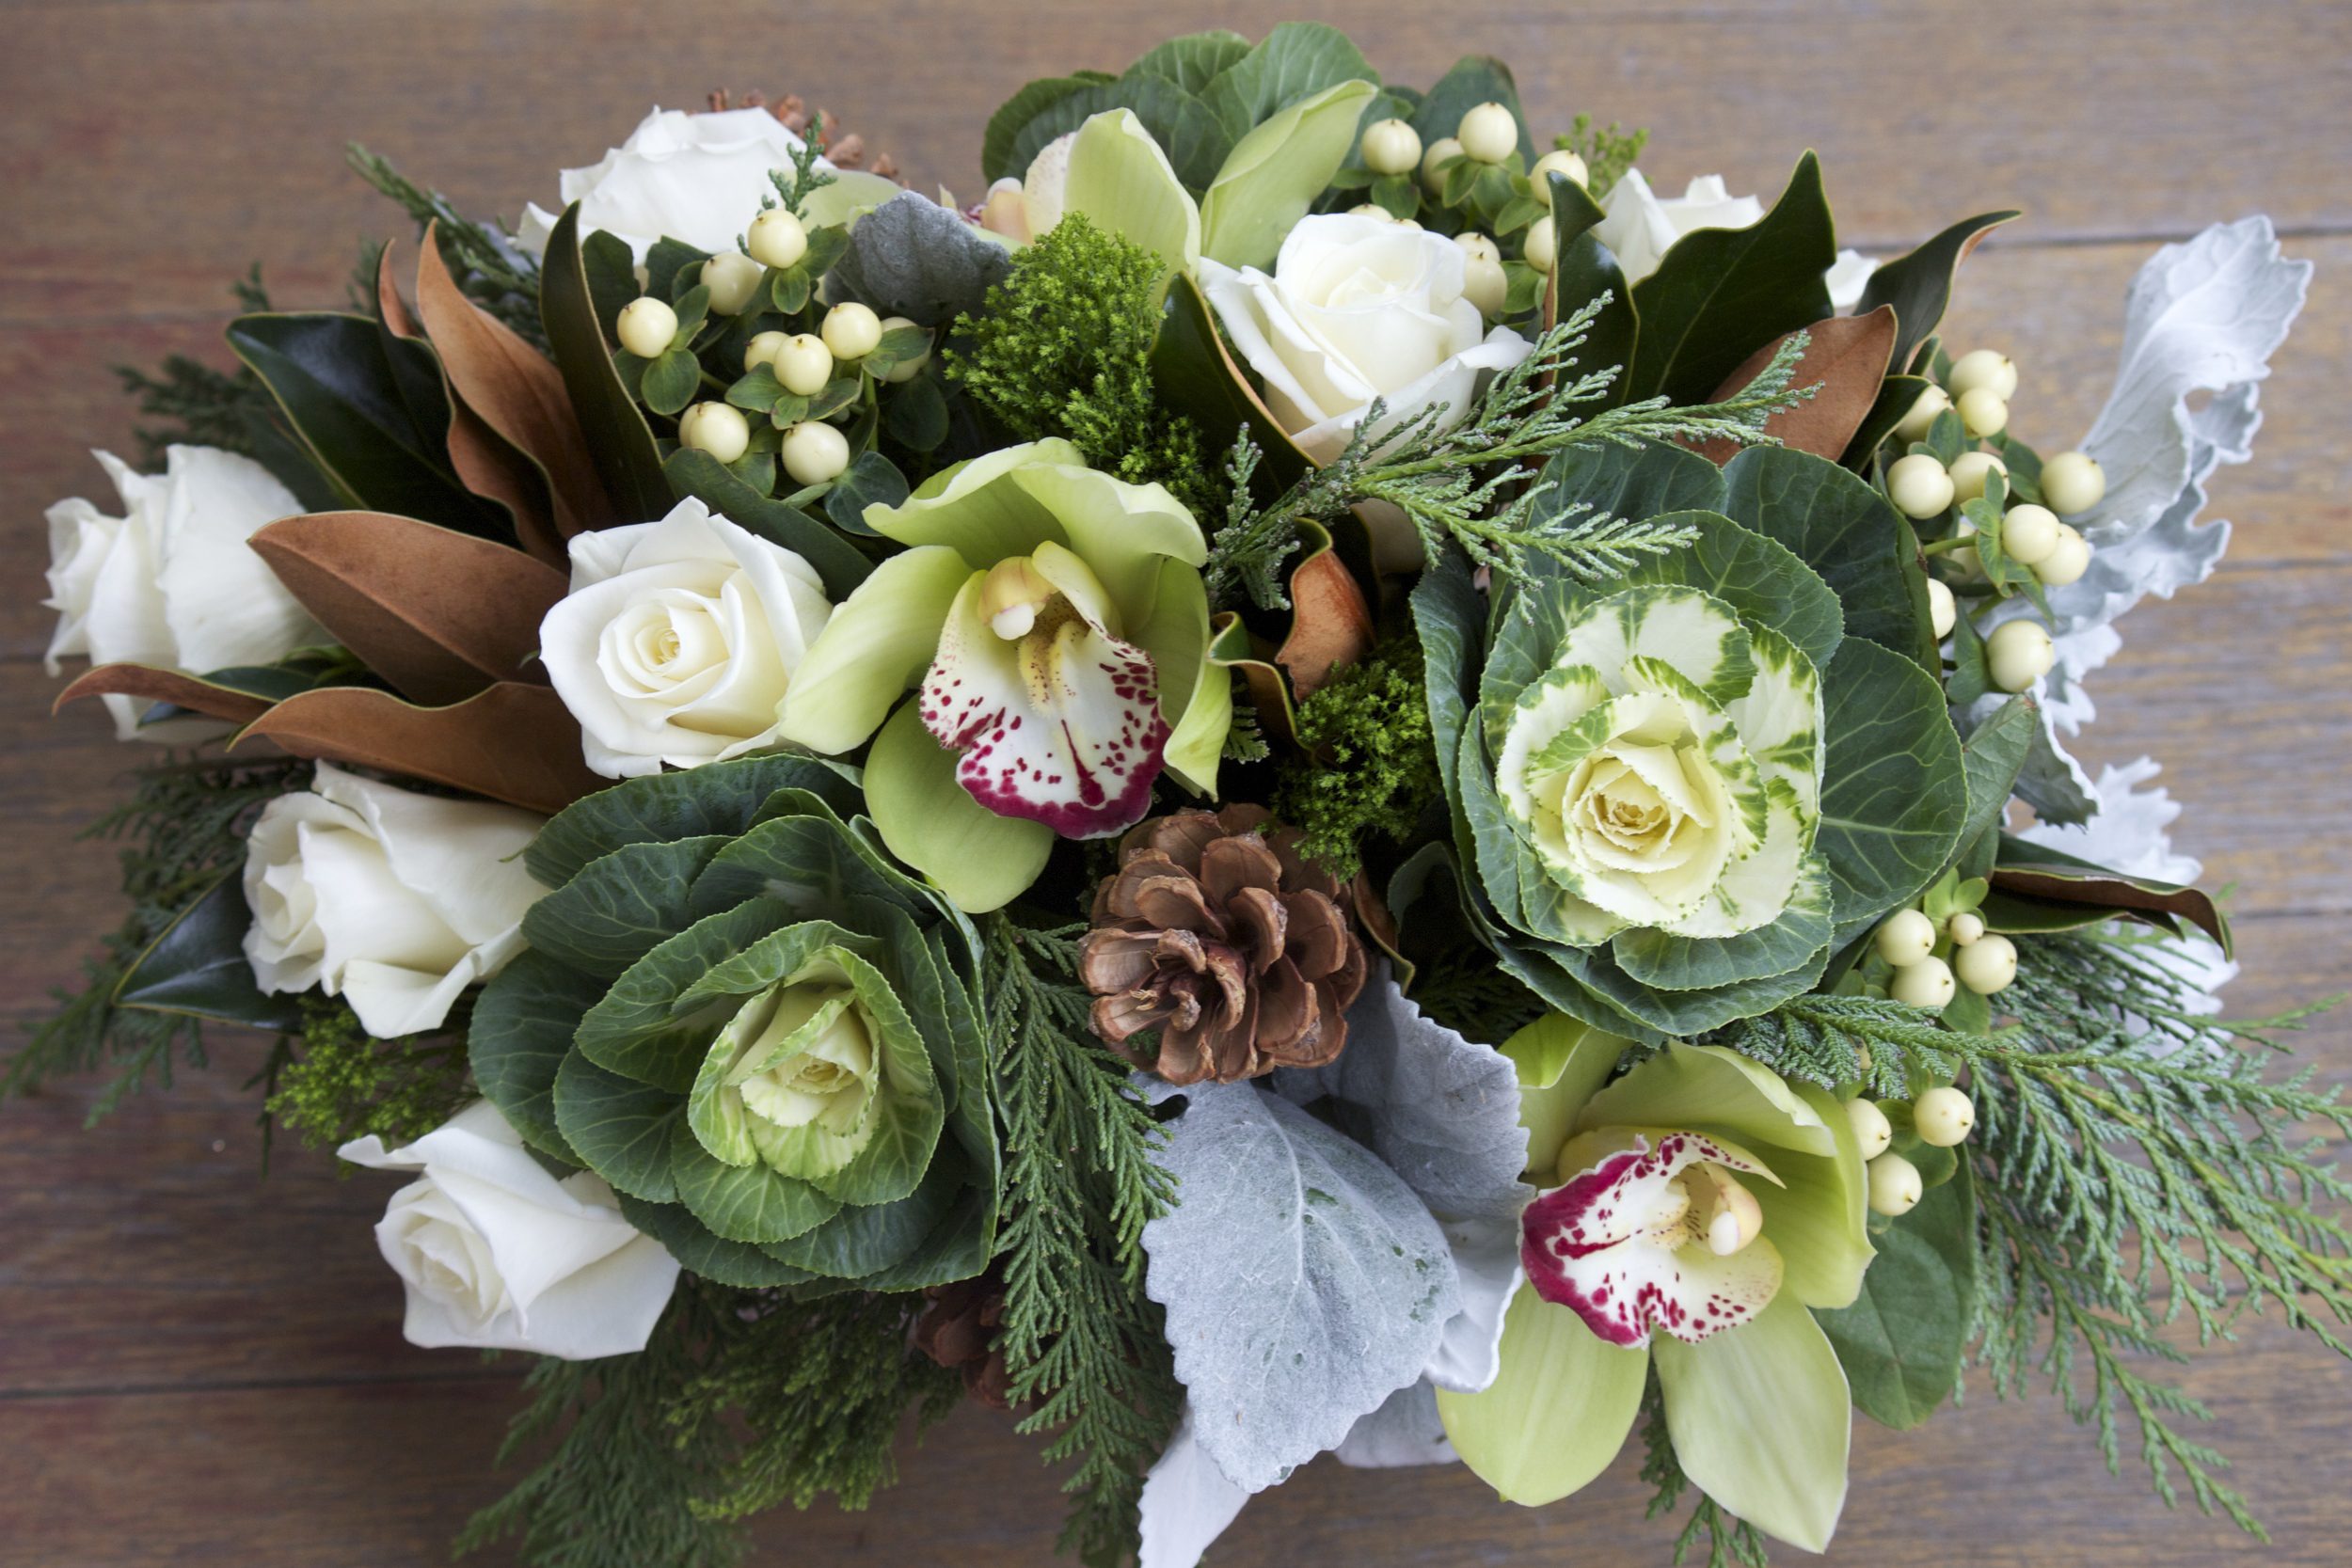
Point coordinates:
pixel 1871 1129
pixel 803 364
pixel 1982 412
pixel 1391 147
pixel 777 239
pixel 678 639
pixel 1942 1117
pixel 497 1252
pixel 717 428
pixel 1441 151
pixel 2030 533
pixel 2068 560
pixel 1943 609
pixel 852 330
pixel 1927 984
pixel 1985 370
pixel 1562 162
pixel 1488 134
pixel 1484 283
pixel 1988 965
pixel 906 370
pixel 1542 246
pixel 394 901
pixel 2072 482
pixel 732 278
pixel 647 327
pixel 1968 471
pixel 1894 1185
pixel 1920 485
pixel 2018 654
pixel 1932 400
pixel 1905 938
pixel 814 453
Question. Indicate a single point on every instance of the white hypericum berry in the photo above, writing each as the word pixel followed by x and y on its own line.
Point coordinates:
pixel 1985 369
pixel 2029 533
pixel 1964 927
pixel 1943 609
pixel 1968 471
pixel 1986 965
pixel 776 238
pixel 2068 560
pixel 1871 1129
pixel 852 330
pixel 1918 485
pixel 717 428
pixel 732 278
pixel 2018 654
pixel 1981 413
pixel 1484 283
pixel 906 370
pixel 1488 132
pixel 1924 408
pixel 1391 147
pixel 814 453
pixel 1562 162
pixel 2073 481
pixel 763 349
pixel 1906 938
pixel 1372 209
pixel 1540 247
pixel 645 326
pixel 1926 984
pixel 1443 150
pixel 803 364
pixel 1894 1185
pixel 1942 1117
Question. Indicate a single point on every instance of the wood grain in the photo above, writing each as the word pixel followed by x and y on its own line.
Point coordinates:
pixel 195 1368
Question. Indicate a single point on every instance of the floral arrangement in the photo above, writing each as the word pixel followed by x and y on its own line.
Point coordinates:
pixel 1322 780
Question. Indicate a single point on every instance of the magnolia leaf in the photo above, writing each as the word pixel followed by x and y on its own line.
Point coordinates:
pixel 1330 622
pixel 621 445
pixel 1918 286
pixel 1196 374
pixel 911 257
pixel 2029 870
pixel 510 743
pixel 696 473
pixel 437 614
pixel 197 968
pixel 1894 796
pixel 1898 395
pixel 1840 525
pixel 1901 1341
pixel 174 686
pixel 1844 362
pixel 1304 1281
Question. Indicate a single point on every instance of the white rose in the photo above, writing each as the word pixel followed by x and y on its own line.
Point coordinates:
pixel 392 900
pixel 690 176
pixel 172 582
pixel 678 639
pixel 497 1253
pixel 1639 228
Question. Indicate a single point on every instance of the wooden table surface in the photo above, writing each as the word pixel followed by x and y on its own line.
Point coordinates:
pixel 197 1367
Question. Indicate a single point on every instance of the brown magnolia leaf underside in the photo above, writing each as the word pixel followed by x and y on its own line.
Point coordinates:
pixel 512 743
pixel 1330 622
pixel 2116 893
pixel 149 684
pixel 516 391
pixel 1848 358
pixel 440 614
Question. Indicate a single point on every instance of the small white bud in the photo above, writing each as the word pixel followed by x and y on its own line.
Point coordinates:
pixel 1987 965
pixel 763 349
pixel 852 330
pixel 1391 147
pixel 1488 132
pixel 1943 609
pixel 717 428
pixel 1981 413
pixel 1541 250
pixel 1932 401
pixel 2067 562
pixel 1562 162
pixel 1906 937
pixel 732 278
pixel 1871 1129
pixel 1942 1117
pixel 906 370
pixel 2073 481
pixel 2018 654
pixel 1894 1185
pixel 646 327
pixel 814 453
pixel 1987 370
pixel 1918 485
pixel 1441 151
pixel 1964 927
pixel 1926 984
pixel 776 238
pixel 1372 209
pixel 2029 533
pixel 1484 283
pixel 1968 470
pixel 803 364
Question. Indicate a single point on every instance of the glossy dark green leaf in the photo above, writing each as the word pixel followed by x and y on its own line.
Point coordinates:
pixel 1901 1341
pixel 198 967
pixel 1919 285
pixel 1840 526
pixel 1722 294
pixel 707 480
pixel 621 1128
pixel 1896 394
pixel 1584 271
pixel 620 442
pixel 722 798
pixel 520 1034
pixel 1199 378
pixel 1895 794
pixel 2031 870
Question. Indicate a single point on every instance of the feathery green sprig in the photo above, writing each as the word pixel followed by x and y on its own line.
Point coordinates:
pixel 492 270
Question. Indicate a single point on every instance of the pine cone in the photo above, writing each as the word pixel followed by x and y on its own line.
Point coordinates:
pixel 956 1328
pixel 1219 935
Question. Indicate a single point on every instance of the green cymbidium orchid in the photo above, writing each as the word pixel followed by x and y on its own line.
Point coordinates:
pixel 1699 1208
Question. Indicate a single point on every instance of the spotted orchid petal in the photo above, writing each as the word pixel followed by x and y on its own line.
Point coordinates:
pixel 1625 1247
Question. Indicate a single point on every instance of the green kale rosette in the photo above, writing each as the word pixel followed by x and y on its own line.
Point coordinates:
pixel 1679 795
pixel 736 1012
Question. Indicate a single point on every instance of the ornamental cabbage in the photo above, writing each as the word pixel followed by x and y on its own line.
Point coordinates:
pixel 759 1032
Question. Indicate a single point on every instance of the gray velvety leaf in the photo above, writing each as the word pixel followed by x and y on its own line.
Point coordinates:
pixel 1304 1281
pixel 1404 1432
pixel 911 257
